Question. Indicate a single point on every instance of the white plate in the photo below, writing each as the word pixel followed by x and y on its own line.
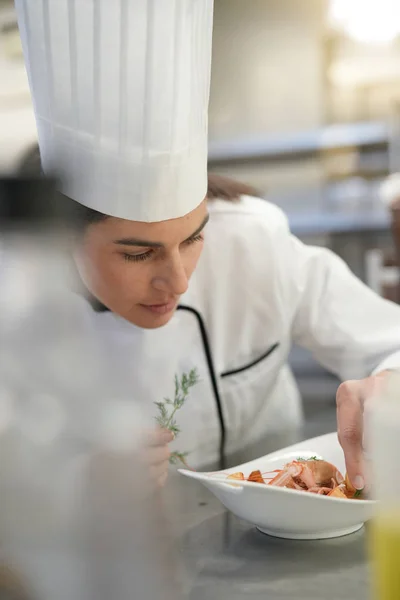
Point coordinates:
pixel 287 513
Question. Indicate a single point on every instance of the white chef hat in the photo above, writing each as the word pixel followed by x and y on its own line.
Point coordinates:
pixel 120 91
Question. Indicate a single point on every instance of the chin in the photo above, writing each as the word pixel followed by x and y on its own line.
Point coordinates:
pixel 152 321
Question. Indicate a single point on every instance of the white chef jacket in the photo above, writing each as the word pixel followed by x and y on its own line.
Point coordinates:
pixel 257 290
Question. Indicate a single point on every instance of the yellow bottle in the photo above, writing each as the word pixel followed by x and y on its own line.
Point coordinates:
pixel 384 450
pixel 385 555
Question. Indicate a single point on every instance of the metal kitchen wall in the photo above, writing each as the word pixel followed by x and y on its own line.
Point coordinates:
pixel 305 112
pixel 17 124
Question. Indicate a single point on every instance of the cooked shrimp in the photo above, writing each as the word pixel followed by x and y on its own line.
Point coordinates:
pixel 314 476
pixel 324 473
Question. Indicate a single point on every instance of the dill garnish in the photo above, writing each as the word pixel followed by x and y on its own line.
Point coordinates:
pixel 168 408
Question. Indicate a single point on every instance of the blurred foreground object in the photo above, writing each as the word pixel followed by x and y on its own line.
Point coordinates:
pixel 78 517
pixel 384 450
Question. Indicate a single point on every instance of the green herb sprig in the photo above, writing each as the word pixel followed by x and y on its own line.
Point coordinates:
pixel 168 408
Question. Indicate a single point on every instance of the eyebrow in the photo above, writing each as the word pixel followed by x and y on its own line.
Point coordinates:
pixel 149 244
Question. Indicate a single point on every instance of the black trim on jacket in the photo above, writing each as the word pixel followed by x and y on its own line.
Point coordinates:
pixel 213 377
pixel 255 362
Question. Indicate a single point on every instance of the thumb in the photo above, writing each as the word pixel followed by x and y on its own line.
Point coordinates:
pixel 349 402
pixel 355 464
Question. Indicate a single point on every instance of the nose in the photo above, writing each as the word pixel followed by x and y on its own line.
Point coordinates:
pixel 173 278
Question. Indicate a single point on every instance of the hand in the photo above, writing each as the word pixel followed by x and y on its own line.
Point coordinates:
pixel 350 402
pixel 157 455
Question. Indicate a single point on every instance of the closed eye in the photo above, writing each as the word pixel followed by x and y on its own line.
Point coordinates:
pixel 146 255
pixel 137 257
pixel 194 239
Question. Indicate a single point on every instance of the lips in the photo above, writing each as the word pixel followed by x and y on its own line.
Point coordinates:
pixel 160 309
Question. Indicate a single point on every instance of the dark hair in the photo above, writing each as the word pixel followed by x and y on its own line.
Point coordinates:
pixel 89 216
pixel 83 216
pixel 225 188
pixel 219 187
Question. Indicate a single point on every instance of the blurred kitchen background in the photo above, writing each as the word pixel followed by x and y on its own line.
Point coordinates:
pixel 305 105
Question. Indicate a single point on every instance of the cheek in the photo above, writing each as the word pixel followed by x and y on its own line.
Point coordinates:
pixel 99 268
pixel 193 255
pixel 112 279
pixel 125 280
pixel 132 280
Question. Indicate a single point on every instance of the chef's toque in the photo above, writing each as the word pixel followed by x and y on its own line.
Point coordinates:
pixel 120 91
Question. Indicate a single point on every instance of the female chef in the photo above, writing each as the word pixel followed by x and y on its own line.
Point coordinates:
pixel 132 144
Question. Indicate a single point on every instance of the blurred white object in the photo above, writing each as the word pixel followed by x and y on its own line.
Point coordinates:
pixel 287 513
pixel 121 92
pixel 77 517
pixel 390 190
pixel 371 21
pixel 384 443
pixel 383 429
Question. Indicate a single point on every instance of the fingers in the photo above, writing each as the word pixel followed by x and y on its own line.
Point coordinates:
pixel 349 402
pixel 162 479
pixel 159 473
pixel 160 437
pixel 157 455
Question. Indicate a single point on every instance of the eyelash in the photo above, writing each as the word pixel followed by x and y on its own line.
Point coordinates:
pixel 137 257
pixel 146 255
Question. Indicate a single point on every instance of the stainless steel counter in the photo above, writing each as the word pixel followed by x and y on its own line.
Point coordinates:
pixel 225 558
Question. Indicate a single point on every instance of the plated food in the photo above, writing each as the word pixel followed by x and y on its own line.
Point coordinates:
pixel 297 492
pixel 312 475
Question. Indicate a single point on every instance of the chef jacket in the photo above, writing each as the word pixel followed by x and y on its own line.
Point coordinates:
pixel 257 290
